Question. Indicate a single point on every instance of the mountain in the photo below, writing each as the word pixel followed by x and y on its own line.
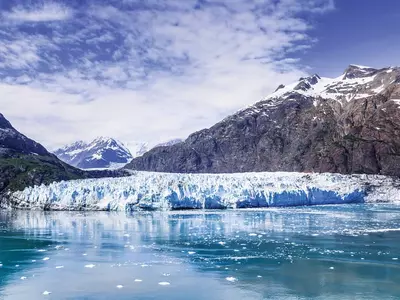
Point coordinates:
pixel 24 162
pixel 103 152
pixel 349 124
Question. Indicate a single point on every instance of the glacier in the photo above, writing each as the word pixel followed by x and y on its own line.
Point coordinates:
pixel 167 191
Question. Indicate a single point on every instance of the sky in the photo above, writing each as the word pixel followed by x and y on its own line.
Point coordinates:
pixel 154 70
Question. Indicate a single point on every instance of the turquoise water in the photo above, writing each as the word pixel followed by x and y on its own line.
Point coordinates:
pixel 326 252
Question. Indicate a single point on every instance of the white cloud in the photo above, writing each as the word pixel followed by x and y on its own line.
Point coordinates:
pixel 47 12
pixel 149 74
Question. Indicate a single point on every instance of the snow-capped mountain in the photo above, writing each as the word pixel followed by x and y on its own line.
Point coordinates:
pixel 348 124
pixel 103 152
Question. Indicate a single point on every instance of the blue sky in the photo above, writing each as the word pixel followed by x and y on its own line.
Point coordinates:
pixel 154 70
pixel 363 32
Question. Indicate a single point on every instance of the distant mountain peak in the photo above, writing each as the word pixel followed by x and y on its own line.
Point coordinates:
pixel 103 152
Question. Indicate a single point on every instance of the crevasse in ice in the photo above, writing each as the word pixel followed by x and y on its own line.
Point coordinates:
pixel 164 191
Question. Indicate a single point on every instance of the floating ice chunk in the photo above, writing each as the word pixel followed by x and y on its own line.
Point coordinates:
pixel 331 268
pixel 46 258
pixel 191 252
pixel 231 279
pixel 395 258
pixel 164 283
pixel 59 267
pixel 46 293
pixel 23 278
pixel 138 280
pixel 120 286
pixel 90 266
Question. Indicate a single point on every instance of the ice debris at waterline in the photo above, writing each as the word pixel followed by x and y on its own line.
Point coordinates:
pixel 165 191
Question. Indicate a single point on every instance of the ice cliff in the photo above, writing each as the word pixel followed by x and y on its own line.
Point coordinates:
pixel 165 191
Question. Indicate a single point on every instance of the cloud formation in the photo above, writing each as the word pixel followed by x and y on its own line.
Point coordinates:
pixel 145 70
pixel 42 12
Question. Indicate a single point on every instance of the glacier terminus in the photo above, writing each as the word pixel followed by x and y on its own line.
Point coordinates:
pixel 168 191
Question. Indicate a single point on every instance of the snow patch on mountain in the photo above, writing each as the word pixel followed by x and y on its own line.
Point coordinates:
pixel 168 191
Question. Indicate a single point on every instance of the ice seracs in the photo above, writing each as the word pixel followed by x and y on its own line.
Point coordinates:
pixel 166 191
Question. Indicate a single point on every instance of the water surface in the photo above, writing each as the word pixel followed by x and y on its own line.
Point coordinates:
pixel 326 252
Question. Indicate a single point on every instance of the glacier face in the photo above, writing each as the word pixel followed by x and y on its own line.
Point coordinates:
pixel 166 191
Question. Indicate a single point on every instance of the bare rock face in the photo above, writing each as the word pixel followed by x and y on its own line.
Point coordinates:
pixel 350 124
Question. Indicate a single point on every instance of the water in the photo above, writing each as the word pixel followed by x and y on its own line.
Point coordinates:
pixel 327 252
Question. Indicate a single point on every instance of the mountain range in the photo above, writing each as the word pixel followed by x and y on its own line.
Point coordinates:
pixel 348 124
pixel 104 153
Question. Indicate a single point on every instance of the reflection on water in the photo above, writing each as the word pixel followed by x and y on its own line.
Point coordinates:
pixel 298 253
